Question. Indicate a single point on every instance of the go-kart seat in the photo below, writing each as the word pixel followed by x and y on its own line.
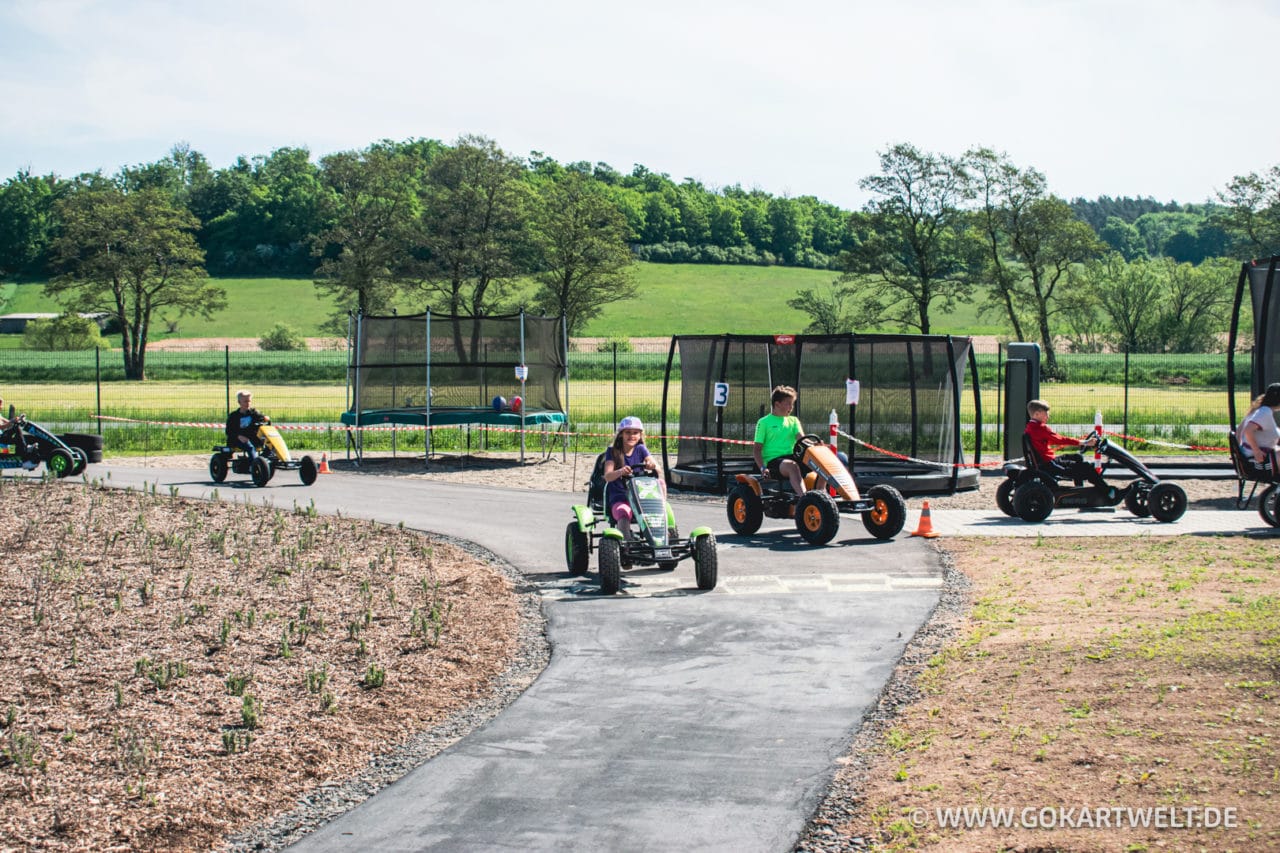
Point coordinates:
pixel 1044 466
pixel 1245 469
pixel 595 486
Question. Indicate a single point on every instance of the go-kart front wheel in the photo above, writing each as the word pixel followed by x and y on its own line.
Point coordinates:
pixel 817 518
pixel 1269 505
pixel 610 565
pixel 307 471
pixel 260 471
pixel 746 511
pixel 218 467
pixel 1167 502
pixel 705 565
pixel 1004 497
pixel 59 462
pixel 80 460
pixel 577 552
pixel 1136 500
pixel 1033 501
pixel 886 518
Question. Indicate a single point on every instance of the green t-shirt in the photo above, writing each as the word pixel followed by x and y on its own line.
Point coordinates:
pixel 777 435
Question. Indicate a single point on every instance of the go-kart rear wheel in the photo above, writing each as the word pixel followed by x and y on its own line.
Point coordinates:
pixel 1033 501
pixel 80 460
pixel 260 471
pixel 1167 502
pixel 577 551
pixel 746 511
pixel 1004 497
pixel 817 518
pixel 705 565
pixel 610 565
pixel 1269 505
pixel 1136 500
pixel 59 462
pixel 886 518
pixel 218 467
pixel 307 471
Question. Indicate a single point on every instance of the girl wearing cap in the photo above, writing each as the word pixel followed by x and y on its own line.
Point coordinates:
pixel 625 454
pixel 1258 433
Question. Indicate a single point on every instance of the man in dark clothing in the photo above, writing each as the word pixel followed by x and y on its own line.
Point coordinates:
pixel 242 424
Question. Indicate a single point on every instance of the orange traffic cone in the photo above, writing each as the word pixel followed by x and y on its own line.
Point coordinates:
pixel 926 524
pixel 324 464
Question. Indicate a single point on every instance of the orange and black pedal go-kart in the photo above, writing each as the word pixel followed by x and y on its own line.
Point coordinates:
pixel 36 445
pixel 829 491
pixel 273 455
pixel 1032 491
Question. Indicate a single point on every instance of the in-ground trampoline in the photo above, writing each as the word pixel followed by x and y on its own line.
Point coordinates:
pixel 908 405
pixel 428 371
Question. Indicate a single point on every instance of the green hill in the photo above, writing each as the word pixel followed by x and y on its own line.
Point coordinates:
pixel 674 299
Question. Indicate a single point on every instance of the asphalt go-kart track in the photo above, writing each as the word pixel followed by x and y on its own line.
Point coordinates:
pixel 668 718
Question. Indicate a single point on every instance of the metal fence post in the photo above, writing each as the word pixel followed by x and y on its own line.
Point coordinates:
pixel 97 372
pixel 1126 398
pixel 615 382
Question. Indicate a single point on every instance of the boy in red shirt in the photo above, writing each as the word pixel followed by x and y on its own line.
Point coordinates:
pixel 1068 464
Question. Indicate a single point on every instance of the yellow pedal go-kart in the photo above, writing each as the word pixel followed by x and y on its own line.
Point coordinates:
pixel 273 455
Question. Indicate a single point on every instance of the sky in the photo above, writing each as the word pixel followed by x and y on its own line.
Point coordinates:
pixel 1117 97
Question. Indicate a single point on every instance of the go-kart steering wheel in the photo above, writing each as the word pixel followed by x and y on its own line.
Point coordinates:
pixel 803 443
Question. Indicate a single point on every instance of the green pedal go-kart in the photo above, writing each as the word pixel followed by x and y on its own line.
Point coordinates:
pixel 60 459
pixel 829 491
pixel 655 539
pixel 273 456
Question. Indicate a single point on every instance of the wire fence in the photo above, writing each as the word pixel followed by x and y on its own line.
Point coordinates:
pixel 1175 399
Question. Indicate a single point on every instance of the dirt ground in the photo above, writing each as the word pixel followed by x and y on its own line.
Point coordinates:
pixel 177 670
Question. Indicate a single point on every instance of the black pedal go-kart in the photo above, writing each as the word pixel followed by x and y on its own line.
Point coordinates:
pixel 273 455
pixel 1033 490
pixel 41 446
pixel 655 537
pixel 1246 472
pixel 829 491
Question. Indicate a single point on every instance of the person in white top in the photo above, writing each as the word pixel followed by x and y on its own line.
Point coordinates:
pixel 1258 432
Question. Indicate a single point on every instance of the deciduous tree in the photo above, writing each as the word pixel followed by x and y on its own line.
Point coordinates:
pixel 130 255
pixel 585 261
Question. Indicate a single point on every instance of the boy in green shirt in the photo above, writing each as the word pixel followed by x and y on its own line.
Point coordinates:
pixel 775 440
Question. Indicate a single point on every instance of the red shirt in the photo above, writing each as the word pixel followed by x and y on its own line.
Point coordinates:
pixel 1042 436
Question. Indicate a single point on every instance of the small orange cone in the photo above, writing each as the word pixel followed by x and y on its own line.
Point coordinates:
pixel 926 524
pixel 324 464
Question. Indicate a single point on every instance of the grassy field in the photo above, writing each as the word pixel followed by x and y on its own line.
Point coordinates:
pixel 674 299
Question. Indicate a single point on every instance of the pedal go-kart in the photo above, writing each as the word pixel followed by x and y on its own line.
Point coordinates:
pixel 59 458
pixel 1032 491
pixel 655 538
pixel 273 455
pixel 829 491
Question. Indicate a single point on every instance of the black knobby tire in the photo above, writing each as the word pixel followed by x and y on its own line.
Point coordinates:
pixel 1167 501
pixel 260 471
pixel 610 565
pixel 1033 501
pixel 1004 497
pixel 1269 505
pixel 706 569
pixel 1137 501
pixel 817 518
pixel 577 551
pixel 746 511
pixel 886 519
pixel 59 462
pixel 307 471
pixel 218 467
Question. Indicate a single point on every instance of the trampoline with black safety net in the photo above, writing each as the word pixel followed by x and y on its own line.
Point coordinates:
pixel 904 430
pixel 429 371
